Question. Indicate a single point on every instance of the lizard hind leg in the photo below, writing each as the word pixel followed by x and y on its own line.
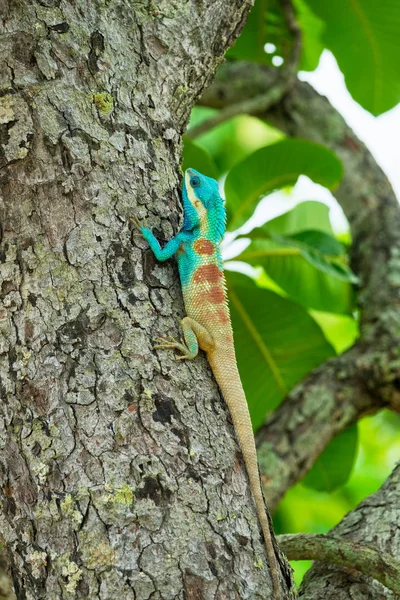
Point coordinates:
pixel 194 334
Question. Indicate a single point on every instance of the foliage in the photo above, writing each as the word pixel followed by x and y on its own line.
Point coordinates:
pixel 300 260
pixel 333 467
pixel 196 155
pixel 241 135
pixel 310 511
pixel 274 167
pixel 251 42
pixel 362 34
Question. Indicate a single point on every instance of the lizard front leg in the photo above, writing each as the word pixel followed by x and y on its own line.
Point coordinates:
pixel 195 336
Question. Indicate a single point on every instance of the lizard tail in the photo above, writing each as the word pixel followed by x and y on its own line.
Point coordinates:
pixel 227 375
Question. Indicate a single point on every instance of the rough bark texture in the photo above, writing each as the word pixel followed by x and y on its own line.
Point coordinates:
pixel 118 469
pixel 375 523
pixel 6 586
pixel 367 377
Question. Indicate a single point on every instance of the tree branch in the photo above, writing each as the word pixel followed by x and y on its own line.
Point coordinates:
pixel 373 523
pixel 326 548
pixel 328 401
pixel 367 377
pixel 250 107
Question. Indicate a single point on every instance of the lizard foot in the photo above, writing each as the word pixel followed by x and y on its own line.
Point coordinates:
pixel 172 343
pixel 137 223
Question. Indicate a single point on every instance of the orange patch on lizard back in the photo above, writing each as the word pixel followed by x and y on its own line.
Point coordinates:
pixel 207 274
pixel 222 316
pixel 215 295
pixel 203 246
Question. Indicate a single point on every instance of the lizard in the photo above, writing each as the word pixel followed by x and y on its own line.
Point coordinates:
pixel 208 325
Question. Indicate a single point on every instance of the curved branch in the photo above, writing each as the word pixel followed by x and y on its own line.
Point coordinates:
pixel 331 549
pixel 373 523
pixel 250 107
pixel 367 377
pixel 326 402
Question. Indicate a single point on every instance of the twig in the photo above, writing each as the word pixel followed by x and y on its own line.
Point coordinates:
pixel 249 107
pixel 285 79
pixel 326 548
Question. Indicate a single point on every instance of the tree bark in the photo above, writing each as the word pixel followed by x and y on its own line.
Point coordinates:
pixel 119 473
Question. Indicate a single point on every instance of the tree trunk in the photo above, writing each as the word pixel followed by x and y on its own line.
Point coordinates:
pixel 119 473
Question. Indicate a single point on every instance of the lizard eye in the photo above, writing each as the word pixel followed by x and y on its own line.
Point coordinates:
pixel 195 182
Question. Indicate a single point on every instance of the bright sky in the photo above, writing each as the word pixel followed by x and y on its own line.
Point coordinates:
pixel 380 134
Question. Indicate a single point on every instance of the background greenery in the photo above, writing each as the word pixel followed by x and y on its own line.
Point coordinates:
pixel 293 296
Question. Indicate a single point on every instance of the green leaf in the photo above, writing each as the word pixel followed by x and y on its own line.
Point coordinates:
pixel 333 467
pixel 364 37
pixel 284 246
pixel 340 330
pixel 311 31
pixel 304 216
pixel 319 249
pixel 324 243
pixel 335 269
pixel 277 343
pixel 340 271
pixel 266 24
pixel 310 239
pixel 233 140
pixel 298 277
pixel 196 157
pixel 273 167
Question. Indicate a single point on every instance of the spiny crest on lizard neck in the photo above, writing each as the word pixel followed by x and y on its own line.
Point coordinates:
pixel 203 206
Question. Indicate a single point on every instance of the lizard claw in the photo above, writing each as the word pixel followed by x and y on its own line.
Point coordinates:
pixel 171 343
pixel 165 341
pixel 158 346
pixel 137 223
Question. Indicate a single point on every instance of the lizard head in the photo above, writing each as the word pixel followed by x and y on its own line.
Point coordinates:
pixel 202 202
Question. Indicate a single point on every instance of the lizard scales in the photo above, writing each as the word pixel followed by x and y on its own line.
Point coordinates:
pixel 208 324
